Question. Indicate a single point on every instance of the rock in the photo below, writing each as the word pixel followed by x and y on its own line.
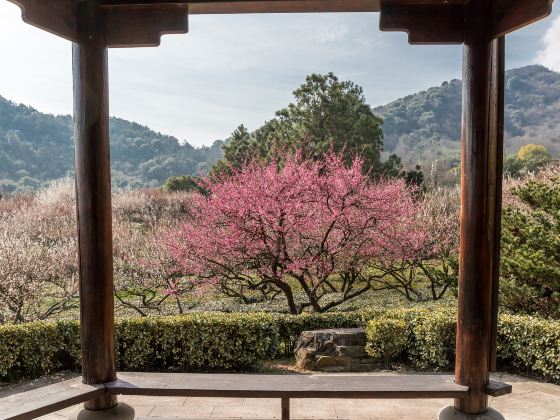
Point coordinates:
pixel 334 350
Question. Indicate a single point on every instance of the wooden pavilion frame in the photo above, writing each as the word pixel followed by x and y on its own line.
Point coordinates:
pixel 95 25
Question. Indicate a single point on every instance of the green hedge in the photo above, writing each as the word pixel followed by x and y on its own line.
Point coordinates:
pixel 424 337
pixel 194 341
pixel 528 344
pixel 34 349
pixel 387 338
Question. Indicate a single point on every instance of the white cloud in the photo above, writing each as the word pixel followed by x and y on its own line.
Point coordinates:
pixel 549 56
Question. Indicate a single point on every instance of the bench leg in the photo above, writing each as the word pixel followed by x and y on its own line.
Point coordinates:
pixel 285 409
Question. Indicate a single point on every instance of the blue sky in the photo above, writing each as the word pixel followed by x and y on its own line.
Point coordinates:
pixel 238 69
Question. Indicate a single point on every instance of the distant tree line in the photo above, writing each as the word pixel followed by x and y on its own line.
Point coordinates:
pixel 426 126
pixel 37 148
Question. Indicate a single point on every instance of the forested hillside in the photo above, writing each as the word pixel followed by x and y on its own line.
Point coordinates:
pixel 426 125
pixel 36 148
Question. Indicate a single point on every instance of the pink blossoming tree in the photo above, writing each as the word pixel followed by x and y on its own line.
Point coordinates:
pixel 429 269
pixel 307 230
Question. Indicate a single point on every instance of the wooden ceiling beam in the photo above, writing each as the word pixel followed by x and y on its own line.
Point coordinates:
pixel 58 17
pixel 143 26
pixel 256 6
pixel 276 6
pixel 282 6
pixel 425 24
pixel 444 23
pixel 129 26
pixel 132 23
pixel 510 15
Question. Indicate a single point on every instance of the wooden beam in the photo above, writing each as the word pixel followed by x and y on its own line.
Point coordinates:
pixel 255 6
pixel 482 79
pixel 286 386
pixel 276 6
pixel 55 16
pixel 284 6
pixel 427 21
pixel 48 399
pixel 425 24
pixel 93 196
pixel 510 15
pixel 144 26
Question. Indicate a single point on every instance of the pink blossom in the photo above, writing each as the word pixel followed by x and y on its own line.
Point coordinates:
pixel 309 221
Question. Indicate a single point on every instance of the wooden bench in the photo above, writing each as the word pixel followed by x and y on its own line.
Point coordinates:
pixel 40 401
pixel 48 399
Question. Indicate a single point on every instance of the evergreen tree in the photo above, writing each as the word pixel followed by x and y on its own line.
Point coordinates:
pixel 531 246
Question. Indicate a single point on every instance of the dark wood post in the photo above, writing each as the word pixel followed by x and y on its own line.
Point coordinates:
pixel 285 409
pixel 93 192
pixel 498 82
pixel 482 132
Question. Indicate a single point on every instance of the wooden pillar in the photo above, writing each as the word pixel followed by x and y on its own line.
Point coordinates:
pixel 497 170
pixel 482 132
pixel 93 192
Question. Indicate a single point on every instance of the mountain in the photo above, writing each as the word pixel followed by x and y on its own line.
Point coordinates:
pixel 36 148
pixel 426 126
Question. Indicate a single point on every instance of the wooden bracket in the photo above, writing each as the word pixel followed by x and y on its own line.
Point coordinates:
pixel 143 26
pixel 444 23
pixel 55 16
pixel 510 15
pixel 425 24
pixel 141 23
pixel 125 26
pixel 497 388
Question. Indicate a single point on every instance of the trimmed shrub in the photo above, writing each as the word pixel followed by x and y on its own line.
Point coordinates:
pixel 433 344
pixel 37 348
pixel 530 344
pixel 235 341
pixel 195 341
pixel 430 335
pixel 387 338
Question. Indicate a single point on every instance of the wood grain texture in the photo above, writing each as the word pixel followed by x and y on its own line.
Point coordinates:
pixel 510 15
pixel 283 6
pixel 56 16
pixel 436 23
pixel 143 26
pixel 479 198
pixel 276 6
pixel 496 167
pixel 93 196
pixel 57 396
pixel 48 399
pixel 497 389
pixel 285 408
pixel 287 386
pixel 425 24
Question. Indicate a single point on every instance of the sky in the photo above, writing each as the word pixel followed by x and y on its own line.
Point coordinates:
pixel 240 69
